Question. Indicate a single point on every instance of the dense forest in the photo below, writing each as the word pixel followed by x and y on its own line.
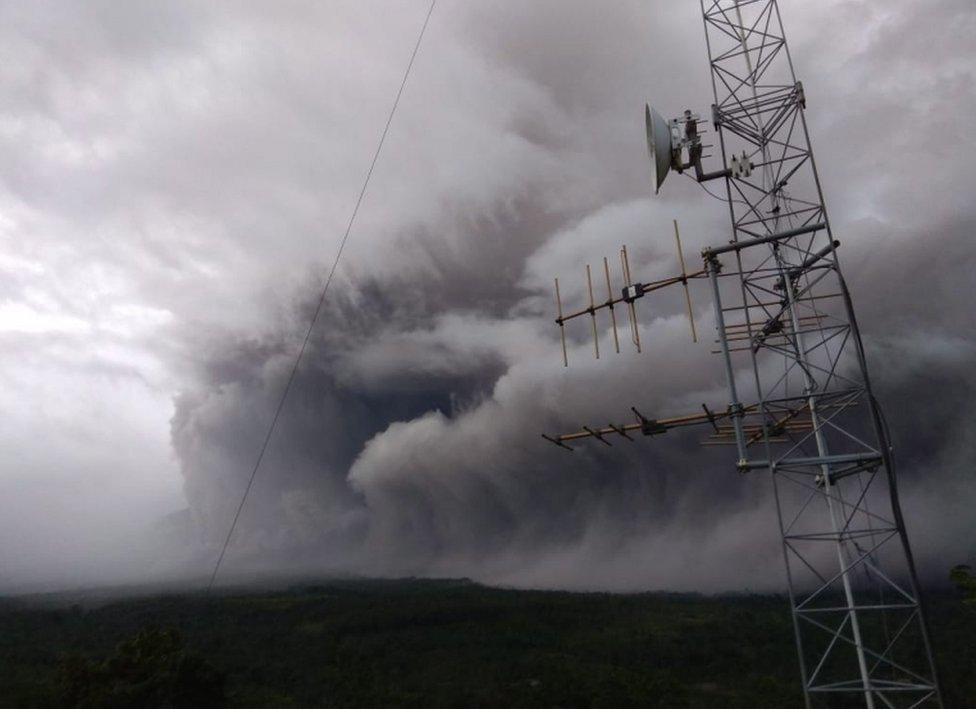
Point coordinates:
pixel 424 644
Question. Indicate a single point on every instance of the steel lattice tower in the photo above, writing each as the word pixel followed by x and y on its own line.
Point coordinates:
pixel 789 342
pixel 853 589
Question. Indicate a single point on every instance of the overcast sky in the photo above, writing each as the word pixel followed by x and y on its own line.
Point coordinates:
pixel 174 182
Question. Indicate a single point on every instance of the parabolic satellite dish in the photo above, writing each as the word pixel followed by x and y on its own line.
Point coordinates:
pixel 659 144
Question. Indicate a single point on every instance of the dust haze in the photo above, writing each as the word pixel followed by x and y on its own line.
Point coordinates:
pixel 175 182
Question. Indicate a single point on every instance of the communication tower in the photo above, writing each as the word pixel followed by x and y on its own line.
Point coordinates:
pixel 800 400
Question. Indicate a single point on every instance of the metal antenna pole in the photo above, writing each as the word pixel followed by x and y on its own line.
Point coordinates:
pixel 785 321
pixel 751 78
pixel 735 406
pixel 835 486
pixel 823 451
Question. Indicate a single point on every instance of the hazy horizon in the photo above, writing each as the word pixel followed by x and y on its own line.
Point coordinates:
pixel 176 180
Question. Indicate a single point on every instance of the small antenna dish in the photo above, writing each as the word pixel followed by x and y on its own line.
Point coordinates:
pixel 676 145
pixel 660 146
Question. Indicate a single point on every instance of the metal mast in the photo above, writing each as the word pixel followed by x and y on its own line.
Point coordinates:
pixel 789 341
pixel 853 588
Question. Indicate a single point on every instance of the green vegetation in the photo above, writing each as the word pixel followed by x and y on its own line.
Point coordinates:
pixel 423 644
pixel 961 576
pixel 151 669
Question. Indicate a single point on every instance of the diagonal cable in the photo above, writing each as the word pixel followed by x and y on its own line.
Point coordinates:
pixel 321 302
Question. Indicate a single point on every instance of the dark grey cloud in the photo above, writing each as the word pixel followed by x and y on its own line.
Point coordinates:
pixel 181 176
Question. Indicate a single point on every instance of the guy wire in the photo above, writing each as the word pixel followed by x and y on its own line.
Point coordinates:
pixel 321 302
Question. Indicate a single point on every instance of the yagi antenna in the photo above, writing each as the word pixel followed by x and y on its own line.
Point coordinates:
pixel 684 277
pixel 562 327
pixel 631 308
pixel 628 297
pixel 613 316
pixel 592 310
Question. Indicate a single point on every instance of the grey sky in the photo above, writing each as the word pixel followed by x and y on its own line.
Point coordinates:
pixel 174 180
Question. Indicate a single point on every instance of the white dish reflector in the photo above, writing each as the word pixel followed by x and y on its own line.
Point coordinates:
pixel 659 145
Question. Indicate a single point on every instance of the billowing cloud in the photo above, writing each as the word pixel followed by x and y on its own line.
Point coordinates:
pixel 176 181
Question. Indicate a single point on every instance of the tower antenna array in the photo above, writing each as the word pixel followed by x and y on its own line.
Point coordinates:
pixel 788 338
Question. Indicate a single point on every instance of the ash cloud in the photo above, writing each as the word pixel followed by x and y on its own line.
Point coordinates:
pixel 206 167
pixel 427 485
